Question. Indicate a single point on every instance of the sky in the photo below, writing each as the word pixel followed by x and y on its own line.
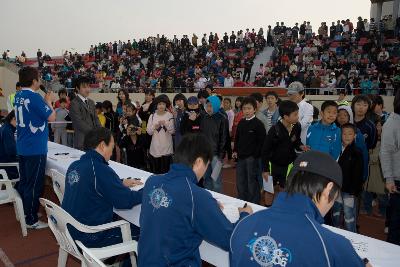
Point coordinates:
pixel 55 26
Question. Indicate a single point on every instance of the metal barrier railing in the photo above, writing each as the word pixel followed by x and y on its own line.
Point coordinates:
pixel 354 91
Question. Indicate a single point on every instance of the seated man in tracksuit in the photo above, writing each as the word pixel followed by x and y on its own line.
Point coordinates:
pixel 8 146
pixel 93 189
pixel 177 215
pixel 290 233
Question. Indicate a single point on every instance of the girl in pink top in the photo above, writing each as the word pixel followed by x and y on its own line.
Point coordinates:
pixel 161 128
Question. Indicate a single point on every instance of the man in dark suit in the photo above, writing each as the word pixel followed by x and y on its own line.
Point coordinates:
pixel 82 112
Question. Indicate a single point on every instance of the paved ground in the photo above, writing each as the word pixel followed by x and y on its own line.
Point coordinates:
pixel 39 248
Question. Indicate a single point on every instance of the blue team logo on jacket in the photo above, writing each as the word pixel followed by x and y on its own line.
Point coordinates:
pixel 158 198
pixel 330 139
pixel 267 253
pixel 73 177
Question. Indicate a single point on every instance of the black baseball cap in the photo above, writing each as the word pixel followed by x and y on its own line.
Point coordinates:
pixel 318 163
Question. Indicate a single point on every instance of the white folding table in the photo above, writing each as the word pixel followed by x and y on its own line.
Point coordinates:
pixel 380 253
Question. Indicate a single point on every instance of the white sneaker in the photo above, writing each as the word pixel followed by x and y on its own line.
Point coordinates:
pixel 37 225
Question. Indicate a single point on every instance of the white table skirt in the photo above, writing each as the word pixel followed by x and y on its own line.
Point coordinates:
pixel 380 254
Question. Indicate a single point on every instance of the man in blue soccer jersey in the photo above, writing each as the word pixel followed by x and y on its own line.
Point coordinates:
pixel 32 113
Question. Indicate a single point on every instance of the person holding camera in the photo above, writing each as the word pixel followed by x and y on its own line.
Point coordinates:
pixel 134 144
pixel 192 117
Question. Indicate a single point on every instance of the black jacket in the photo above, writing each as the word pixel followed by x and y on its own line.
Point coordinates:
pixel 214 128
pixel 280 148
pixel 351 162
pixel 134 152
pixel 145 115
pixel 189 126
pixel 249 135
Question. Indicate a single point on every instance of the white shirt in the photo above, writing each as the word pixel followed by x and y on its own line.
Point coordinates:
pixel 366 26
pixel 383 55
pixel 247 119
pixel 292 68
pixel 332 83
pixel 84 99
pixel 306 112
pixel 201 83
pixel 228 82
pixel 115 85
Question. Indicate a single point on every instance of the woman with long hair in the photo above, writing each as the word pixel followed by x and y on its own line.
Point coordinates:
pixel 123 100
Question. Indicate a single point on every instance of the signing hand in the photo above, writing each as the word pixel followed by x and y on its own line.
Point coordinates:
pixel 247 209
pixel 131 182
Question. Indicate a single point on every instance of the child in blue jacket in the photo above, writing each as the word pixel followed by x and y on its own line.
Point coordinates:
pixel 324 135
pixel 177 215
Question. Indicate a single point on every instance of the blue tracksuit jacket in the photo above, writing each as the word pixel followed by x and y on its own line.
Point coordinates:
pixel 289 234
pixel 176 216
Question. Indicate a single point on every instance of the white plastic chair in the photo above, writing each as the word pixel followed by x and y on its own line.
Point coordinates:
pixel 58 220
pixel 91 260
pixel 58 180
pixel 11 164
pixel 8 195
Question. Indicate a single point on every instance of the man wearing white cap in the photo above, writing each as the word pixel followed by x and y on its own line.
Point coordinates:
pixel 296 94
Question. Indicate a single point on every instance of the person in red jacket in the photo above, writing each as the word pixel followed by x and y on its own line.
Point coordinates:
pixel 62 94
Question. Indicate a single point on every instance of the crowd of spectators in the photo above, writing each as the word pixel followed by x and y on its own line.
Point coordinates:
pixel 352 57
pixel 168 65
pixel 361 57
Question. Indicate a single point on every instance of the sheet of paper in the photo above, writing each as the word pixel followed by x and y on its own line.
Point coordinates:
pixel 231 212
pixel 269 186
pixel 217 170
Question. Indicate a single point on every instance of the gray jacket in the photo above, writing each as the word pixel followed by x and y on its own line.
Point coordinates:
pixel 84 119
pixel 390 148
pixel 61 113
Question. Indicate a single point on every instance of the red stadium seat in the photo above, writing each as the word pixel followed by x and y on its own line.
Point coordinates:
pixel 317 62
pixel 94 85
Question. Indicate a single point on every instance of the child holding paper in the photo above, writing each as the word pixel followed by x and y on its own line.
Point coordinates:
pixel 250 134
pixel 280 146
pixel 351 163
